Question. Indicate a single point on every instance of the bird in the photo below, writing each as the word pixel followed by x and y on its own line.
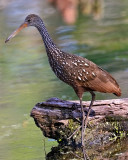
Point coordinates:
pixel 80 73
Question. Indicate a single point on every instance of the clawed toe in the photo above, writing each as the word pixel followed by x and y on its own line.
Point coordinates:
pixel 74 132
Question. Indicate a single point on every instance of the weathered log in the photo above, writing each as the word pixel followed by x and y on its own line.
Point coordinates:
pixel 58 119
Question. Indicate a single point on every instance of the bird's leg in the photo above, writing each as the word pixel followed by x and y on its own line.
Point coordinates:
pixel 82 126
pixel 83 122
pixel 91 104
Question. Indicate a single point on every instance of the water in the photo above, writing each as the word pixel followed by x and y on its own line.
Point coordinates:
pixel 25 75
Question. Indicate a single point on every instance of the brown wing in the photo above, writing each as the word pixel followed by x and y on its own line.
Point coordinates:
pixel 80 72
pixel 104 82
pixel 94 78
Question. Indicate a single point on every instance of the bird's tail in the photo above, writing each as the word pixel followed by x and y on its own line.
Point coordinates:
pixel 118 93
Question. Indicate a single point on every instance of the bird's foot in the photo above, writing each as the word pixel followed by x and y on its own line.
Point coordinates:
pixel 74 132
pixel 77 120
pixel 85 156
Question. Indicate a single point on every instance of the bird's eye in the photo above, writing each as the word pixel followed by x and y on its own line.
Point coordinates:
pixel 29 20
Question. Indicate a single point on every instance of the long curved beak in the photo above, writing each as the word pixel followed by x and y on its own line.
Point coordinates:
pixel 16 31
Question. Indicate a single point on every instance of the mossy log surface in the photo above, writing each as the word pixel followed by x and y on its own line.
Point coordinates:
pixel 58 119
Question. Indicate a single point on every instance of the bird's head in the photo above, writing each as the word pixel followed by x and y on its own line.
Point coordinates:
pixel 30 20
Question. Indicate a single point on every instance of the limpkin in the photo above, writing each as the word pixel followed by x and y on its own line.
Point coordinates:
pixel 78 72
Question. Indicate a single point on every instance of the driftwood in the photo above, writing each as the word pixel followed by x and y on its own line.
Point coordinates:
pixel 108 121
pixel 58 118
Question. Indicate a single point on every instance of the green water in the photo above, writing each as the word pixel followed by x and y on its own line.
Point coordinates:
pixel 25 75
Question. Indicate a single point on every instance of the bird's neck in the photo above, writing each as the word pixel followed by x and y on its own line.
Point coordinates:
pixel 49 44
